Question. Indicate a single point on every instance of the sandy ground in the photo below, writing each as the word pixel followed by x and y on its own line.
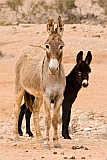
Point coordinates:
pixel 89 112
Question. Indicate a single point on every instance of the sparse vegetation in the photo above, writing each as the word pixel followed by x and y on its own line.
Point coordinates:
pixel 40 8
pixel 14 4
pixel 64 5
pixel 103 4
pixel 40 11
pixel 3 23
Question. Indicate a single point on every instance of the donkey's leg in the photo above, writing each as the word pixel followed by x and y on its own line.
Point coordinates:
pixel 58 103
pixel 21 115
pixel 66 112
pixel 28 116
pixel 47 105
pixel 55 127
pixel 18 99
pixel 35 109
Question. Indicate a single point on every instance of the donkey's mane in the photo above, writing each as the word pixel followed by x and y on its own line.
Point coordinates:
pixel 72 73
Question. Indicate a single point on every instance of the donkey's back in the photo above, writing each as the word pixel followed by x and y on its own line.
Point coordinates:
pixel 29 70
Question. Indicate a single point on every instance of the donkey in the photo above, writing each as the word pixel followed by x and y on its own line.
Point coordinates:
pixel 42 75
pixel 77 78
pixel 26 109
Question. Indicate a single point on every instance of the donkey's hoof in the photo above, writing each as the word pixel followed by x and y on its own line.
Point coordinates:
pixel 46 146
pixel 20 133
pixel 30 134
pixel 41 141
pixel 57 146
pixel 66 136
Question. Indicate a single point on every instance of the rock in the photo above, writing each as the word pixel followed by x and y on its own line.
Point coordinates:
pixel 91 117
pixel 1 137
pixel 82 157
pixel 1 54
pixel 87 129
pixel 98 36
pixel 79 147
pixel 83 117
pixel 62 153
pixel 37 32
pixel 73 157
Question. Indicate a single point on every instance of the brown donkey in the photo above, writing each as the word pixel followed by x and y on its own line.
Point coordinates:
pixel 42 75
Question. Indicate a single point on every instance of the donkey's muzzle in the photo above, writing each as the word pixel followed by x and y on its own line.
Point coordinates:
pixel 53 66
pixel 85 83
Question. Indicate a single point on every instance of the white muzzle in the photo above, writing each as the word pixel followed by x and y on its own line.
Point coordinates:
pixel 85 83
pixel 53 66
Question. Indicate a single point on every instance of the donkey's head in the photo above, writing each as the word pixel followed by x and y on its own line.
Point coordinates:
pixel 54 45
pixel 83 68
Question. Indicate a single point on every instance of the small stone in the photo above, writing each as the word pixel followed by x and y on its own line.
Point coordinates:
pixel 87 129
pixel 82 147
pixel 82 157
pixel 74 27
pixel 37 32
pixel 1 54
pixel 65 158
pixel 54 152
pixel 73 157
pixel 1 137
pixel 14 144
pixel 73 147
pixel 62 153
pixel 96 36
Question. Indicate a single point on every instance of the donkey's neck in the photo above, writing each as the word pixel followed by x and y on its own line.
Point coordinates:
pixel 71 79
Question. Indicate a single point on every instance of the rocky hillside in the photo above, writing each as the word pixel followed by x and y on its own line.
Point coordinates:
pixel 29 11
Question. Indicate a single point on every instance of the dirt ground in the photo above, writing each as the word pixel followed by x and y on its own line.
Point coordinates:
pixel 88 125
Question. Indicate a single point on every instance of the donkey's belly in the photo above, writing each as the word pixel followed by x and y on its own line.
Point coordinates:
pixel 34 92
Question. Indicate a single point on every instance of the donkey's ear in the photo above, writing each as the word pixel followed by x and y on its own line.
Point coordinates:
pixel 50 26
pixel 88 58
pixel 79 57
pixel 60 26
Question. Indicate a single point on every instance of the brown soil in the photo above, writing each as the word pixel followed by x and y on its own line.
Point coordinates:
pixel 90 107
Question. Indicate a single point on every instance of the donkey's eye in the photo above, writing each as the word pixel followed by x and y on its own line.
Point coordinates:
pixel 61 47
pixel 61 28
pixel 79 73
pixel 47 46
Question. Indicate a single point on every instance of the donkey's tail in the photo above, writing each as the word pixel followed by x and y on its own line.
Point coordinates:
pixel 29 100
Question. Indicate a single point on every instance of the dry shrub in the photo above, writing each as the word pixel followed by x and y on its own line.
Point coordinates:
pixel 103 4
